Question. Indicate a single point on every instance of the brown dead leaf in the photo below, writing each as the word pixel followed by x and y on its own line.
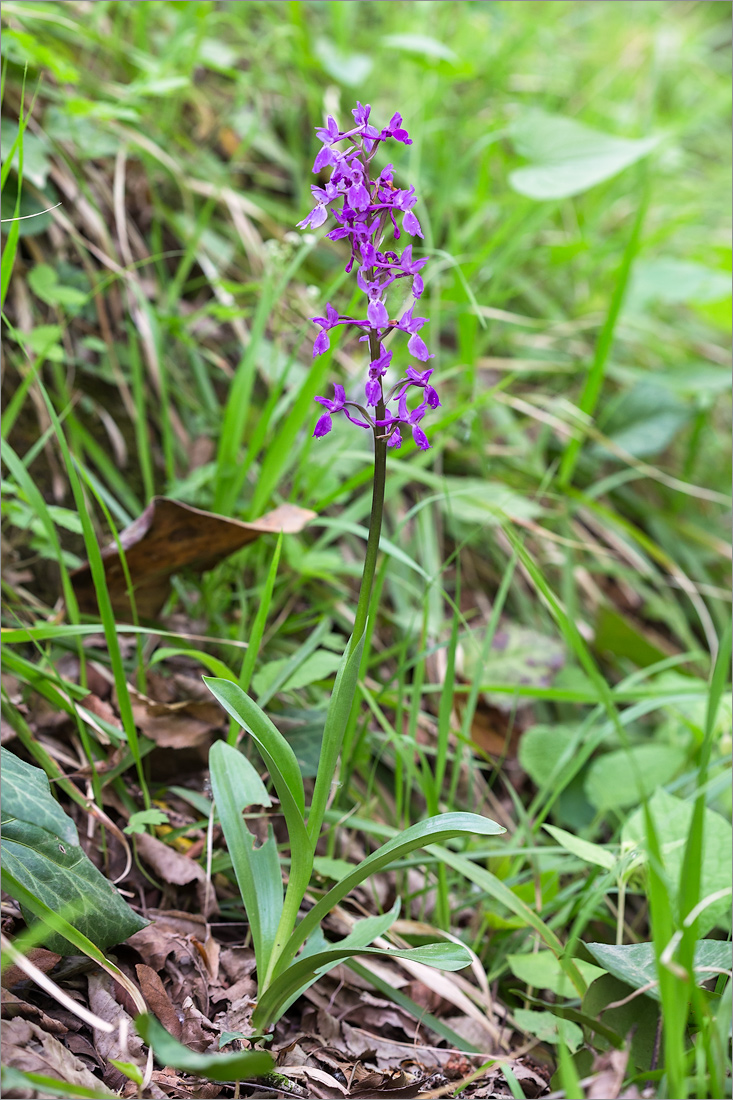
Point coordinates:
pixel 103 1002
pixel 29 1048
pixel 40 957
pixel 169 537
pixel 13 1006
pixel 167 863
pixel 157 999
pixel 609 1070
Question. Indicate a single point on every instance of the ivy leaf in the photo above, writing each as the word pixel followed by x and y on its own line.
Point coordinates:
pixel 40 848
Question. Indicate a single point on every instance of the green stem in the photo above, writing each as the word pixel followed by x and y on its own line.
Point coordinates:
pixel 375 520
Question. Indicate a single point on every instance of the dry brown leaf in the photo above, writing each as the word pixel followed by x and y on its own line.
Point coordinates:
pixel 40 957
pixel 29 1048
pixel 103 1002
pixel 167 863
pixel 157 999
pixel 609 1070
pixel 169 537
pixel 13 1006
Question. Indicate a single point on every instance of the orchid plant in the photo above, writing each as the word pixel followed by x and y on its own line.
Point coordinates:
pixel 291 950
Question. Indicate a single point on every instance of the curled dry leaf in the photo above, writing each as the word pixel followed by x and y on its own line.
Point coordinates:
pixel 29 1048
pixel 167 538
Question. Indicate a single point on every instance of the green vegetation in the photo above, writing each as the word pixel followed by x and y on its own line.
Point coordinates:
pixel 548 642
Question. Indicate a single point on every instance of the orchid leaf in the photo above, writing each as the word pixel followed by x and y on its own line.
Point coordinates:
pixel 298 976
pixel 235 785
pixel 435 830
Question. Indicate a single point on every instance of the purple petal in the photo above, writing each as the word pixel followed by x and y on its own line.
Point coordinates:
pixel 417 347
pixel 339 395
pixel 324 425
pixel 322 343
pixel 395 440
pixel 411 225
pixel 377 314
pixel 373 391
pixel 420 438
pixel 325 157
pixel 417 286
pixel 432 397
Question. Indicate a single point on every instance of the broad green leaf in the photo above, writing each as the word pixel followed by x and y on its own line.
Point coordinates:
pixel 140 820
pixel 644 421
pixel 435 830
pixel 41 850
pixel 235 785
pixel 672 818
pixel 589 853
pixel 626 777
pixel 216 1067
pixel 26 795
pixel 351 69
pixel 544 971
pixel 671 280
pixel 549 1028
pixel 637 1020
pixel 518 655
pixel 486 502
pixel 543 748
pixel 569 157
pixel 36 153
pixel 443 956
pixel 319 666
pixel 635 963
pixel 422 44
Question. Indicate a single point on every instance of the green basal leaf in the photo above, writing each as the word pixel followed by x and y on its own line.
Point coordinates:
pixel 216 1067
pixel 434 830
pixel 275 999
pixel 275 751
pixel 41 851
pixel 235 785
pixel 362 934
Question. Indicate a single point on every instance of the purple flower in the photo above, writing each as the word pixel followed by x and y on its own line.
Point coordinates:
pixel 413 419
pixel 416 378
pixel 328 322
pixel 324 425
pixel 394 130
pixel 411 325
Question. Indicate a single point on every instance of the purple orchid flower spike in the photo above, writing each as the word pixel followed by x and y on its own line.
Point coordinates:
pixel 365 207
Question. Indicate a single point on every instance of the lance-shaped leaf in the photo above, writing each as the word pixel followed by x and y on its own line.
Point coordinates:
pixel 363 934
pixel 216 1067
pixel 298 976
pixel 235 785
pixel 435 830
pixel 282 765
pixel 339 709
